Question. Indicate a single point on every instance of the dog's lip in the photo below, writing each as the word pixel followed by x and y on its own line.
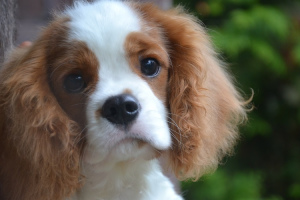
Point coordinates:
pixel 130 136
pixel 137 139
pixel 136 131
pixel 133 140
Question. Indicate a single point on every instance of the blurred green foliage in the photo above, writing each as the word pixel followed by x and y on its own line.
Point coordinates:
pixel 260 39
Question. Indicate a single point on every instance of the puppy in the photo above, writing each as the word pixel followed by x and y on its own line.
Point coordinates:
pixel 107 89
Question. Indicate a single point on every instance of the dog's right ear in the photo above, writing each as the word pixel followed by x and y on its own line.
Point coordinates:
pixel 39 154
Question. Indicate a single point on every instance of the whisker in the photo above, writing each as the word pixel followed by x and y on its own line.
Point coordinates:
pixel 172 114
pixel 174 123
pixel 174 136
pixel 81 136
pixel 178 131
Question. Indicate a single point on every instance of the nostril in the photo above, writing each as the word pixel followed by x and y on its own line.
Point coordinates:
pixel 131 107
pixel 121 109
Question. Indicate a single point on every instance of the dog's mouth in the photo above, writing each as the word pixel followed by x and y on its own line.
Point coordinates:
pixel 139 139
pixel 140 146
pixel 133 142
pixel 141 135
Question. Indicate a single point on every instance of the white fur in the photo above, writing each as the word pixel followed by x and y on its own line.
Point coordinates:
pixel 114 164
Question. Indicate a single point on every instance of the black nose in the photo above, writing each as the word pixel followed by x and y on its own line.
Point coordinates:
pixel 121 109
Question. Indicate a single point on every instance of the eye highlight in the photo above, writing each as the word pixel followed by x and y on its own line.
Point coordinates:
pixel 150 67
pixel 74 83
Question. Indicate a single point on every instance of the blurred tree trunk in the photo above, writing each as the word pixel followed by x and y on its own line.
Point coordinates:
pixel 7 26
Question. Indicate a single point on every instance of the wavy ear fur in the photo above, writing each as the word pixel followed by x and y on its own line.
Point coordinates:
pixel 205 108
pixel 39 157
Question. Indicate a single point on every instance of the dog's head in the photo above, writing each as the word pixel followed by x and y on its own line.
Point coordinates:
pixel 114 81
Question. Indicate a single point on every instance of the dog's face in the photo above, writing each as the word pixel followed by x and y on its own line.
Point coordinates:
pixel 114 81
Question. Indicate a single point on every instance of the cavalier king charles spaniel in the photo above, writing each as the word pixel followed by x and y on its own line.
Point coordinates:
pixel 106 90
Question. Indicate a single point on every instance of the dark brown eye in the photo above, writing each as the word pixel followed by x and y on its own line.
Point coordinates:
pixel 150 67
pixel 74 83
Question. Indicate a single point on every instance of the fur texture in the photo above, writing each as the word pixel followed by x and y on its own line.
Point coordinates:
pixel 56 144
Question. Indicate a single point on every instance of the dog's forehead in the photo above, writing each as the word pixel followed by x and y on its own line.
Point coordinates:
pixel 103 26
pixel 107 28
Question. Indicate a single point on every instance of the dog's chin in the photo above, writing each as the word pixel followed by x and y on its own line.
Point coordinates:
pixel 133 149
pixel 116 143
pixel 126 149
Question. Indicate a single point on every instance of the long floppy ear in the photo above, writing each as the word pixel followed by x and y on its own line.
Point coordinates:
pixel 39 156
pixel 204 105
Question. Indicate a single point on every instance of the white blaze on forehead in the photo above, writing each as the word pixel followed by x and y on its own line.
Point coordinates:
pixel 103 25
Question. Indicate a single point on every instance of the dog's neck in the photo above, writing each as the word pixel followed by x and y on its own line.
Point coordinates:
pixel 130 180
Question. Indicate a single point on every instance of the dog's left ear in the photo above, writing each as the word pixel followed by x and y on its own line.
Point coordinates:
pixel 205 108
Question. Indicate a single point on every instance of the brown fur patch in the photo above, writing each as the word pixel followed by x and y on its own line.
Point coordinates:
pixel 127 91
pixel 205 108
pixel 74 57
pixel 139 46
pixel 40 131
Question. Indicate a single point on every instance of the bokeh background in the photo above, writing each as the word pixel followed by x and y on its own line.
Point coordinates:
pixel 260 41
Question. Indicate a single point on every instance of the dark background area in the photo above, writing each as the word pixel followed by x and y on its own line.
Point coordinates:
pixel 260 41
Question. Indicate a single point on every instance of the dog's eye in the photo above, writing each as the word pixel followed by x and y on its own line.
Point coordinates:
pixel 74 83
pixel 150 67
